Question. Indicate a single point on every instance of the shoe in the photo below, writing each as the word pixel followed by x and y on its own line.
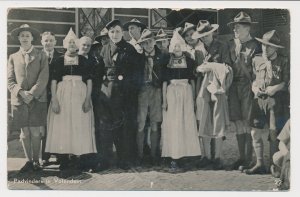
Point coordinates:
pixel 256 170
pixel 174 168
pixel 27 167
pixel 155 161
pixel 45 163
pixel 247 166
pixel 124 166
pixel 139 162
pixel 63 166
pixel 275 172
pixel 36 166
pixel 217 164
pixel 204 162
pixel 99 168
pixel 236 165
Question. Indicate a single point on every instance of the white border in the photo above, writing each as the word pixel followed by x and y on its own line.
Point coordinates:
pixel 295 81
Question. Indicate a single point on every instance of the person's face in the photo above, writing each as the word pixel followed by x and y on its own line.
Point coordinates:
pixel 188 37
pixel 177 50
pixel 134 31
pixel 104 40
pixel 241 31
pixel 48 42
pixel 207 39
pixel 25 38
pixel 268 50
pixel 148 45
pixel 72 46
pixel 115 34
pixel 84 46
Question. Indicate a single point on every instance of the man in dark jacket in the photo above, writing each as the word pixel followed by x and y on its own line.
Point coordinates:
pixel 117 103
pixel 48 41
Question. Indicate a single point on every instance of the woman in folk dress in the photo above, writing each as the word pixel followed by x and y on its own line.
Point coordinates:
pixel 70 117
pixel 179 128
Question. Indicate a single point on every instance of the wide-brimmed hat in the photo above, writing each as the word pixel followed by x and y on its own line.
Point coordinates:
pixel 134 22
pixel 146 35
pixel 271 38
pixel 104 32
pixel 113 23
pixel 204 28
pixel 242 17
pixel 161 35
pixel 25 27
pixel 187 27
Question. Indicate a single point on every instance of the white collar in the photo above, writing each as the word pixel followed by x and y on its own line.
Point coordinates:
pixel 26 52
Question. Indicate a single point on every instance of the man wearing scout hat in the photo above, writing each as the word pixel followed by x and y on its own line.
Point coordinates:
pixel 27 79
pixel 135 28
pixel 242 49
pixel 162 41
pixel 216 52
pixel 149 98
pixel 271 72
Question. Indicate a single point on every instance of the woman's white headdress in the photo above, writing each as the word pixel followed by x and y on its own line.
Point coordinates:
pixel 69 36
pixel 177 39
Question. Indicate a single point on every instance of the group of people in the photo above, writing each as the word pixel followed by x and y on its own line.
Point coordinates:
pixel 178 96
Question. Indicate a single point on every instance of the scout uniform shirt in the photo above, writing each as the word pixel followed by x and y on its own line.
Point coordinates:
pixel 270 73
pixel 241 55
pixel 217 52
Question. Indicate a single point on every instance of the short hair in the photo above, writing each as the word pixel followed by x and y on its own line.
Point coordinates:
pixel 48 33
pixel 84 38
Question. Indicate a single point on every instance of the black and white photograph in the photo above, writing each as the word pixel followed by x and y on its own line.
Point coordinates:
pixel 148 99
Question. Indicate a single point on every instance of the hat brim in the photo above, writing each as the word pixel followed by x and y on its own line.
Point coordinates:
pixel 15 33
pixel 144 40
pixel 98 38
pixel 269 43
pixel 197 35
pixel 234 22
pixel 188 29
pixel 161 39
pixel 141 25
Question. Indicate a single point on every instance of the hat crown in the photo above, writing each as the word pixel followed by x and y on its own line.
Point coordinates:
pixel 272 37
pixel 188 25
pixel 146 34
pixel 242 17
pixel 104 32
pixel 24 26
pixel 161 33
pixel 202 25
pixel 135 20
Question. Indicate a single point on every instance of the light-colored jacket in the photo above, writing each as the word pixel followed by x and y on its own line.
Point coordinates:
pixel 32 78
pixel 212 99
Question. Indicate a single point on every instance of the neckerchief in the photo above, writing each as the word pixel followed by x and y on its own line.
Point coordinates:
pixel 26 55
pixel 149 65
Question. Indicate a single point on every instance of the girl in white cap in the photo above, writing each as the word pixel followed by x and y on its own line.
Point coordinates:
pixel 179 128
pixel 70 117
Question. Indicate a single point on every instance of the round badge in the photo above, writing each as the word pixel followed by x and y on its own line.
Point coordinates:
pixel 179 61
pixel 120 77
